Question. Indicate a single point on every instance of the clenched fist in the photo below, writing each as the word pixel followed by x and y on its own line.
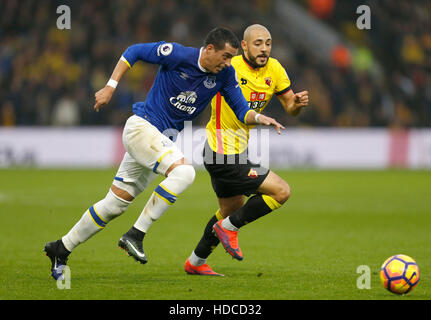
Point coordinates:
pixel 301 99
pixel 103 96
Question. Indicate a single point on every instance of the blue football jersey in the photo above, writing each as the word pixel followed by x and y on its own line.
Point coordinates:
pixel 182 88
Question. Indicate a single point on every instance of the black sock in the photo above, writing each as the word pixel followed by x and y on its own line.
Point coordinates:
pixel 208 241
pixel 137 234
pixel 254 208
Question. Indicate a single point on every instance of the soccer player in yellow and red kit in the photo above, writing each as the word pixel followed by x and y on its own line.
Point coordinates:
pixel 233 176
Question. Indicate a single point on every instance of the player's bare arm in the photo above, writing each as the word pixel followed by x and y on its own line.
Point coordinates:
pixel 294 102
pixel 104 95
pixel 262 119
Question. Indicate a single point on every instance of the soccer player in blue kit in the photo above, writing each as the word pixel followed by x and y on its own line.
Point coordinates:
pixel 187 80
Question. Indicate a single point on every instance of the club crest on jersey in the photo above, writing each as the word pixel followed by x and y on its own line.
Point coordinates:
pixel 164 49
pixel 210 82
pixel 268 81
pixel 184 100
pixel 252 173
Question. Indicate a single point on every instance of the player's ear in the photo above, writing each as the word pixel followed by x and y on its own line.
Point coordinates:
pixel 209 48
pixel 244 45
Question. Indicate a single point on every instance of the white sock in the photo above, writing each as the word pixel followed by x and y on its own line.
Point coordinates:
pixel 228 225
pixel 153 210
pixel 195 260
pixel 94 220
pixel 80 232
pixel 166 193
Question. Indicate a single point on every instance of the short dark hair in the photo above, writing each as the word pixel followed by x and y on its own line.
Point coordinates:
pixel 219 37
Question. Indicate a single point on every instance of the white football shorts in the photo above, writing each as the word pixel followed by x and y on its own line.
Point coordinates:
pixel 148 153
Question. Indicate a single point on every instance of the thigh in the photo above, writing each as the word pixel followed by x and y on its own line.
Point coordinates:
pixel 148 146
pixel 272 185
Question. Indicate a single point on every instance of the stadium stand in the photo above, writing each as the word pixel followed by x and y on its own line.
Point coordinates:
pixel 49 76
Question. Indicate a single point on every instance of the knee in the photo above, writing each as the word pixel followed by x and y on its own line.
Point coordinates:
pixel 185 172
pixel 111 206
pixel 282 194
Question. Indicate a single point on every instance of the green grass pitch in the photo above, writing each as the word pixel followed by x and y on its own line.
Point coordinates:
pixel 310 248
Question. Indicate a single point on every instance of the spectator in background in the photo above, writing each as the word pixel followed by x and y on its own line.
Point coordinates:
pixel 38 63
pixel 7 114
pixel 66 112
pixel 323 9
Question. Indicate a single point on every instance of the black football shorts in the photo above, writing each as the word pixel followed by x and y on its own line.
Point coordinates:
pixel 233 175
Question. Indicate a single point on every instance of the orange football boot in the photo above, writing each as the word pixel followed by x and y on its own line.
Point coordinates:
pixel 229 240
pixel 203 270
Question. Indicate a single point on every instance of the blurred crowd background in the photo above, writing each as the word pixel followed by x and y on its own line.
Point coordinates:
pixel 49 76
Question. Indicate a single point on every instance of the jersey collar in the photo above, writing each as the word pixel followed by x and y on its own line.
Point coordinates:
pixel 249 63
pixel 199 63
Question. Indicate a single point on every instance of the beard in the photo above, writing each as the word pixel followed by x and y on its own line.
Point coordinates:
pixel 255 60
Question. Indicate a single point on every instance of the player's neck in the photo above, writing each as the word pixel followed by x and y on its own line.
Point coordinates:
pixel 202 61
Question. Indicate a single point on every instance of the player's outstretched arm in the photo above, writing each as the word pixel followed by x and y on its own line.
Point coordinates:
pixel 256 118
pixel 236 101
pixel 294 102
pixel 104 95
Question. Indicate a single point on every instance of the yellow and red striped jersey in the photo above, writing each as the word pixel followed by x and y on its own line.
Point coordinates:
pixel 225 133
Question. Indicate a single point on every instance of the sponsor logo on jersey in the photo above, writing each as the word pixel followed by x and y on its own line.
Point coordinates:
pixel 260 96
pixel 257 100
pixel 184 100
pixel 210 82
pixel 164 49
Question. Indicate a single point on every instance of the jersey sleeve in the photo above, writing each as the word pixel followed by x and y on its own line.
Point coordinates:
pixel 162 53
pixel 282 83
pixel 233 95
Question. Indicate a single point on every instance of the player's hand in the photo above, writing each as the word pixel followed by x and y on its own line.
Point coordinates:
pixel 103 96
pixel 267 121
pixel 301 99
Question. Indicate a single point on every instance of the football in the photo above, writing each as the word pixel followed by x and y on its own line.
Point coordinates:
pixel 399 274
